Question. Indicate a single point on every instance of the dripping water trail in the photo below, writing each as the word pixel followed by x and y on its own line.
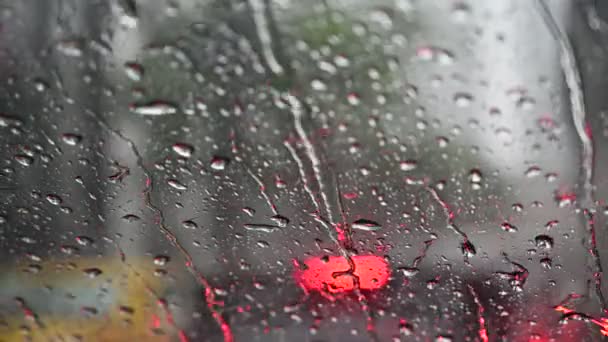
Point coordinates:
pixel 422 254
pixel 297 111
pixel 280 221
pixel 262 27
pixel 572 76
pixel 343 229
pixel 302 172
pixel 169 236
pixel 483 329
pixel 263 191
pixel 467 246
pixel 260 9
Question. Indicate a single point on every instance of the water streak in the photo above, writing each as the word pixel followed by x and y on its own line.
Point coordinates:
pixel 261 25
pixel 572 76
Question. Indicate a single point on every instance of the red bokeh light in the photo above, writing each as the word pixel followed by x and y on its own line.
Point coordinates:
pixel 330 274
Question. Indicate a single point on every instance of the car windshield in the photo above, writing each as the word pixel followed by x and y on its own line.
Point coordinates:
pixel 318 170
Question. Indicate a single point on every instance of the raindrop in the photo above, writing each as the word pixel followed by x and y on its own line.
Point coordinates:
pixel 353 99
pixel 442 142
pixel 475 176
pixel 154 108
pixel 507 227
pixel 174 183
pixel 219 163
pixel 468 249
pixel 565 199
pixel 517 207
pixel 551 224
pixel 40 85
pixel 131 218
pixel 533 171
pixel 189 224
pixel 408 165
pixel 341 61
pixel 445 57
pixel 264 228
pixel 92 272
pixel 463 99
pixel 425 53
pixel 460 12
pixel 409 272
pixel 543 241
pixel 24 160
pixel 161 260
pixel 366 225
pixel 70 47
pixel 71 139
pixel 183 150
pixel 279 183
pixel 84 240
pixel 318 85
pixel 54 199
pixel 546 263
pixel 551 177
pixel 526 103
pixel 128 13
pixel 280 221
pixel 134 71
pixel 69 250
pixel 249 211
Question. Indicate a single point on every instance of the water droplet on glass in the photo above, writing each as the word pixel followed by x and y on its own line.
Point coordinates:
pixel 366 225
pixel 131 218
pixel 70 47
pixel 468 249
pixel 533 171
pixel 174 183
pixel 551 224
pixel 565 199
pixel 526 103
pixel 40 85
pixel 219 163
pixel 84 240
pixel 92 272
pixel 188 224
pixel 249 211
pixel 161 260
pixel 318 85
pixel 134 71
pixel 445 57
pixel 183 150
pixel 24 160
pixel 460 12
pixel 507 227
pixel 353 99
pixel 408 165
pixel 546 263
pixel 543 241
pixel 409 272
pixel 54 199
pixel 71 139
pixel 475 176
pixel 463 99
pixel 280 221
pixel 154 108
pixel 425 53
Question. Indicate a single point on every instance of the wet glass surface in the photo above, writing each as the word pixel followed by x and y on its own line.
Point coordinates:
pixel 323 170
